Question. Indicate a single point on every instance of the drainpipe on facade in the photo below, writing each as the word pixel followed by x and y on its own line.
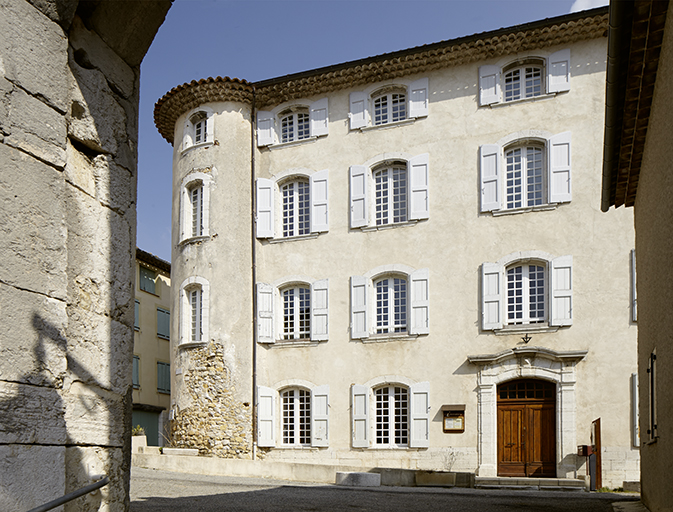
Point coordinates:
pixel 254 278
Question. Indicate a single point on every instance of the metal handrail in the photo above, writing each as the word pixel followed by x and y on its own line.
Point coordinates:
pixel 72 495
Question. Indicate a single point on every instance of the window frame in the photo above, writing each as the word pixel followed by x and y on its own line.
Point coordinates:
pixel 300 128
pixel 379 118
pixel 135 377
pixel 363 190
pixel 144 280
pixel 527 294
pixel 362 111
pixel 558 293
pixel 199 120
pixel 136 314
pixel 186 321
pixel 166 370
pixel 300 325
pixel 269 123
pixel 555 77
pixel 297 192
pixel 299 423
pixel 522 66
pixel 161 335
pixel 202 179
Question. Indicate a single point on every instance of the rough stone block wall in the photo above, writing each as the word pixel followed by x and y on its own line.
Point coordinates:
pixel 68 139
pixel 214 422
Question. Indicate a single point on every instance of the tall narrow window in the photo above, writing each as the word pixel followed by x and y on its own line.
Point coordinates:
pixel 196 198
pixel 199 121
pixel 525 294
pixel 296 208
pixel 652 381
pixel 136 322
pixel 525 177
pixel 294 126
pixel 163 323
pixel 391 305
pixel 392 416
pixel 523 82
pixel 195 302
pixel 391 195
pixel 136 372
pixel 390 107
pixel 296 313
pixel 296 417
pixel 163 377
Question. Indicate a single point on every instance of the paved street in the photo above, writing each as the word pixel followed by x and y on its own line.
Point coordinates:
pixel 175 492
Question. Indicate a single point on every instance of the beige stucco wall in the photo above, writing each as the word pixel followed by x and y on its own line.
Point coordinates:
pixel 654 247
pixel 452 244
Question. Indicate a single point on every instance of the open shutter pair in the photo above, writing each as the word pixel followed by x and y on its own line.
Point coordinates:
pixel 419 420
pixel 557 78
pixel 318 194
pixel 417 101
pixel 319 312
pixel 418 169
pixel 419 308
pixel 559 188
pixel 560 294
pixel 318 123
pixel 267 399
pixel 189 137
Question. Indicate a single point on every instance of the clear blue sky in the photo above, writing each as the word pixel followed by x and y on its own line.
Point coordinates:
pixel 259 39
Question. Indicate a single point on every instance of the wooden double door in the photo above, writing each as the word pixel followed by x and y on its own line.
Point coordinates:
pixel 527 428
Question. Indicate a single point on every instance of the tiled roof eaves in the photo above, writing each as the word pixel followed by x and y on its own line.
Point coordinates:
pixel 540 34
pixel 153 260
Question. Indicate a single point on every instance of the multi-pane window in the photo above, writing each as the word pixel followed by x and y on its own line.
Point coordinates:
pixel 296 416
pixel 196 200
pixel 294 126
pixel 163 377
pixel 524 177
pixel 392 416
pixel 196 312
pixel 523 82
pixel 148 280
pixel 296 208
pixel 391 305
pixel 296 313
pixel 391 195
pixel 526 294
pixel 390 107
pixel 199 122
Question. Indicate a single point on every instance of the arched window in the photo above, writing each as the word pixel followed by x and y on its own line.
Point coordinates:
pixel 523 79
pixel 296 404
pixel 196 200
pixel 198 128
pixel 392 416
pixel 389 106
pixel 294 124
pixel 194 310
pixel 526 289
pixel 296 208
pixel 391 194
pixel 196 313
pixel 525 176
pixel 391 305
pixel 194 206
pixel 296 313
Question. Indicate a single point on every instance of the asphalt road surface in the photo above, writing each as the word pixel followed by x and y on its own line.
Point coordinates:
pixel 153 491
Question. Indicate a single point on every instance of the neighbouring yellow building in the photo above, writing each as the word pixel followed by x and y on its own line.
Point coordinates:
pixel 151 347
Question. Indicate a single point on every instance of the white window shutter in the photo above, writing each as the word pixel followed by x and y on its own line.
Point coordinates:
pixel 265 128
pixel 420 415
pixel 560 189
pixel 359 113
pixel 489 85
pixel 418 98
pixel 265 298
pixel 320 416
pixel 561 303
pixel 420 302
pixel 210 128
pixel 359 203
pixel 419 190
pixel 558 71
pixel 319 310
pixel 359 320
pixel 360 416
pixel 266 416
pixel 265 206
pixel 491 176
pixel 319 118
pixel 187 135
pixel 634 295
pixel 491 296
pixel 319 193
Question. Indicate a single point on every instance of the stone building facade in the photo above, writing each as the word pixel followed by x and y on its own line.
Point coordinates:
pixel 68 137
pixel 401 262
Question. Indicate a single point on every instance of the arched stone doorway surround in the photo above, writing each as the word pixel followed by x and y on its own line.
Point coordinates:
pixel 534 363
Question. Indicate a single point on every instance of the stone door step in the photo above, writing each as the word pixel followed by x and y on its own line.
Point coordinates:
pixel 530 484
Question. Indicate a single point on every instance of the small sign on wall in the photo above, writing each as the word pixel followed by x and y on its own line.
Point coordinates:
pixel 454 418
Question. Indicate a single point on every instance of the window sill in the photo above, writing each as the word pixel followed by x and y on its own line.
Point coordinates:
pixel 280 145
pixel 383 126
pixel 515 211
pixel 542 97
pixel 525 329
pixel 297 447
pixel 199 145
pixel 293 238
pixel 162 392
pixel 167 338
pixel 294 343
pixel 389 226
pixel 385 338
pixel 192 344
pixel 151 293
pixel 194 240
